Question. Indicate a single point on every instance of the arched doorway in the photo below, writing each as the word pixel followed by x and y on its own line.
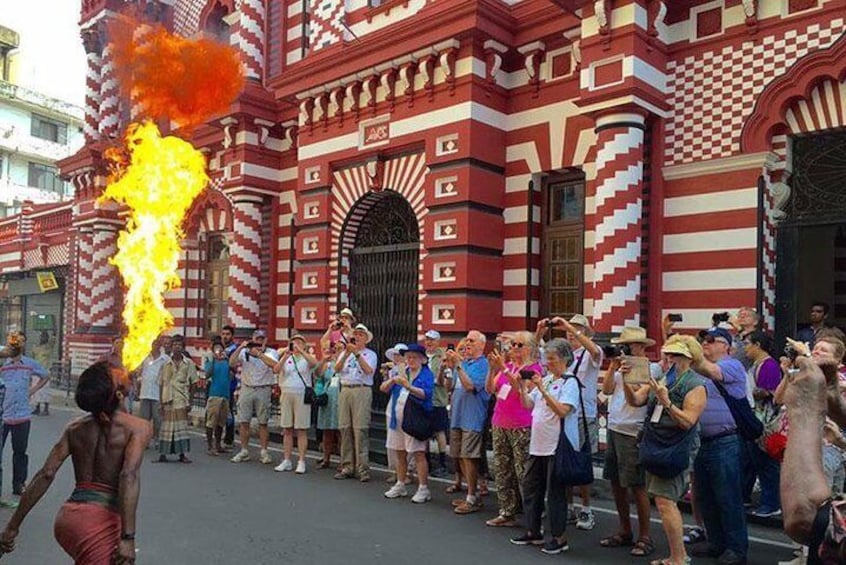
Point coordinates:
pixel 384 269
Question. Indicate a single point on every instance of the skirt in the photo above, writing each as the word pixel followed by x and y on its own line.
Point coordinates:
pixel 88 532
pixel 173 434
pixel 327 416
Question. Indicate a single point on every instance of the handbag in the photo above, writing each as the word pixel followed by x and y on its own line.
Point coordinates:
pixel 310 397
pixel 574 468
pixel 748 425
pixel 416 421
pixel 664 455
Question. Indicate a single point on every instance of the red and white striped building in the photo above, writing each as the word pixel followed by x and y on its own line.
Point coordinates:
pixel 458 164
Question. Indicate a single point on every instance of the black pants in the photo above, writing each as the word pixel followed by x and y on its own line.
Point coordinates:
pixel 20 460
pixel 229 433
pixel 539 483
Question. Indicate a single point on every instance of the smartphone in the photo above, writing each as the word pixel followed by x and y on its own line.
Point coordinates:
pixel 527 374
pixel 291 346
pixel 550 324
pixel 451 347
pixel 498 346
pixel 352 340
pixel 675 318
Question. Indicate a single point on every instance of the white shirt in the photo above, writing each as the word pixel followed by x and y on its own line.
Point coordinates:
pixel 352 374
pixel 289 379
pixel 150 376
pixel 546 425
pixel 255 372
pixel 622 417
pixel 588 375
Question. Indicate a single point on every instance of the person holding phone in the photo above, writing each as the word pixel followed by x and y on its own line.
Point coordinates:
pixel 217 404
pixel 294 370
pixel 327 416
pixel 511 423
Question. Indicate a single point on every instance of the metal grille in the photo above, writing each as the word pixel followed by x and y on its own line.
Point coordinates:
pixel 819 167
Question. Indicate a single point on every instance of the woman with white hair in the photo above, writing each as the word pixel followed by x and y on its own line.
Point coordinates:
pixel 415 383
pixel 511 424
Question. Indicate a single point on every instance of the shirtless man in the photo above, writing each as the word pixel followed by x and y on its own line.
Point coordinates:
pixel 97 523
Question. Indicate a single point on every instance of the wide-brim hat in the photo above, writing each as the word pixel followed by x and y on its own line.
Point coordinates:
pixel 298 337
pixel 677 348
pixel 362 328
pixel 398 349
pixel 348 313
pixel 432 334
pixel 633 334
pixel 419 350
pixel 580 320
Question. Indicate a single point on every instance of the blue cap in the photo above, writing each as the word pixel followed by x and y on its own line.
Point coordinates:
pixel 417 348
pixel 722 333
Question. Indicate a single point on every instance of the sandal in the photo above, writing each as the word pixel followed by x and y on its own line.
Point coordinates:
pixel 643 547
pixel 617 540
pixel 453 488
pixel 501 522
pixel 467 508
pixel 668 561
pixel 483 489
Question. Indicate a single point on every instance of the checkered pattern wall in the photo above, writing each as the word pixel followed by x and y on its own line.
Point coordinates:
pixel 186 16
pixel 326 26
pixel 714 92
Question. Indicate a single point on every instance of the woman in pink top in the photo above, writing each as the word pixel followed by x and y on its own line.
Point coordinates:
pixel 511 423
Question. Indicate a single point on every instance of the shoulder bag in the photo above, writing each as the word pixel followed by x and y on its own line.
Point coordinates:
pixel 310 396
pixel 572 467
pixel 416 420
pixel 665 455
pixel 748 425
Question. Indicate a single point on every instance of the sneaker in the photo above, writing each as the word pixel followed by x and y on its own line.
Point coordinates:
pixel 301 467
pixel 422 495
pixel 527 539
pixel 587 521
pixel 286 465
pixel 572 518
pixel 765 512
pixel 264 458
pixel 729 557
pixel 397 491
pixel 241 456
pixel 554 547
pixel 695 535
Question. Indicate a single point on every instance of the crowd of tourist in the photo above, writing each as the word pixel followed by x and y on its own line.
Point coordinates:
pixel 709 419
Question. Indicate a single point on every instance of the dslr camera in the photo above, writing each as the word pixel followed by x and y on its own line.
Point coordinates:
pixel 719 317
pixel 612 351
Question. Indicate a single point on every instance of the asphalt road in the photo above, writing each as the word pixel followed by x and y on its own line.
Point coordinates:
pixel 215 512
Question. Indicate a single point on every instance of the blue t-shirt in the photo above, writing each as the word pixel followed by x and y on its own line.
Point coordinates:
pixel 16 377
pixel 717 418
pixel 470 409
pixel 218 371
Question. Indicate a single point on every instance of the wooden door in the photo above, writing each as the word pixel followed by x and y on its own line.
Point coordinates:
pixel 563 247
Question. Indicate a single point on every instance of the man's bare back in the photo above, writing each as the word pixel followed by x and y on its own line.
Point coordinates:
pixel 98 451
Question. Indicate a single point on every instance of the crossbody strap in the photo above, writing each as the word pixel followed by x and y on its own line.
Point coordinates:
pixel 297 369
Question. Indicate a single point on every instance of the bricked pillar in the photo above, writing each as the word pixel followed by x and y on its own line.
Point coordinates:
pixel 617 223
pixel 93 48
pixel 250 37
pixel 83 271
pixel 245 261
pixel 109 95
pixel 105 279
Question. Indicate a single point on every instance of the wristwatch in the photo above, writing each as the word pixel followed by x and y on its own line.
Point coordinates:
pixel 127 537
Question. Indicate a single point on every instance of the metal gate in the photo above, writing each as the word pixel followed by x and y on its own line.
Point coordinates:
pixel 384 267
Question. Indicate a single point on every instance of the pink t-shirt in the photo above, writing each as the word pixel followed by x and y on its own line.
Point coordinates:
pixel 509 412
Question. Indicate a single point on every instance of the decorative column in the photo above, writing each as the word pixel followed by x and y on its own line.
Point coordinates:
pixel 84 270
pixel 245 261
pixel 104 278
pixel 618 220
pixel 109 96
pixel 93 48
pixel 250 37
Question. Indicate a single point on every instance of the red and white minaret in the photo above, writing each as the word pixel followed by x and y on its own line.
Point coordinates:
pixel 245 261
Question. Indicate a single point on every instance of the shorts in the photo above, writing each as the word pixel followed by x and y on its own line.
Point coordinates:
pixel 593 430
pixel 440 419
pixel 622 465
pixel 464 444
pixel 217 410
pixel 293 411
pixel 398 440
pixel 254 400
pixel 671 489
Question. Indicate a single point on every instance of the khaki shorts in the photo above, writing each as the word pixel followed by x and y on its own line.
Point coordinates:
pixel 671 489
pixel 464 444
pixel 217 410
pixel 293 412
pixel 254 400
pixel 622 464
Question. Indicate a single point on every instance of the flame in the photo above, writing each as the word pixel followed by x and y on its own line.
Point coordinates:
pixel 163 177
pixel 158 178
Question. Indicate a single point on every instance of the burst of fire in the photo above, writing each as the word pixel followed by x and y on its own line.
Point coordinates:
pixel 158 178
pixel 163 177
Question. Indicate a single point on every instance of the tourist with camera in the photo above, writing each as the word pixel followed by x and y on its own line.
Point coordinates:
pixel 551 399
pixel 622 466
pixel 327 415
pixel 340 330
pixel 294 370
pixel 745 322
pixel 356 366
pixel 511 422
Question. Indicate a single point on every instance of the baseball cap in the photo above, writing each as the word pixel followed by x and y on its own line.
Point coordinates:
pixel 259 333
pixel 433 334
pixel 720 333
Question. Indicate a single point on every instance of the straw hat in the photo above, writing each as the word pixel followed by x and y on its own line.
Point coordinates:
pixel 677 348
pixel 398 349
pixel 580 320
pixel 363 329
pixel 633 334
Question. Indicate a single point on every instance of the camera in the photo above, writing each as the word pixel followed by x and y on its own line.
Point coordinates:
pixel 719 318
pixel 451 347
pixel 337 325
pixel 550 324
pixel 291 346
pixel 612 351
pixel 675 318
pixel 352 340
pixel 527 374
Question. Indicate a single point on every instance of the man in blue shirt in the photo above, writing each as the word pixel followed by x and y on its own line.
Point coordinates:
pixel 718 487
pixel 469 411
pixel 16 373
pixel 217 404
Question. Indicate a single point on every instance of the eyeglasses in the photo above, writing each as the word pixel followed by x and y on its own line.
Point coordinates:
pixel 518 345
pixel 708 339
